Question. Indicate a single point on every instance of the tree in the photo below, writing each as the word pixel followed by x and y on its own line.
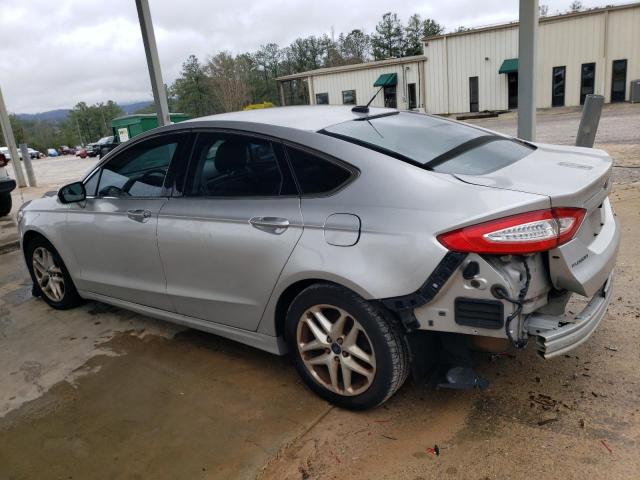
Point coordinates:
pixel 355 47
pixel 388 41
pixel 431 28
pixel 576 6
pixel 543 10
pixel 230 80
pixel 191 89
pixel 413 35
pixel 89 123
pixel 461 29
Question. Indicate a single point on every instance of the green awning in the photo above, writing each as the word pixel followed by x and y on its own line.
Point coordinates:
pixel 510 65
pixel 386 80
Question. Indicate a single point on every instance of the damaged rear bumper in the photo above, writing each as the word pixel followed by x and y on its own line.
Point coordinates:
pixel 557 335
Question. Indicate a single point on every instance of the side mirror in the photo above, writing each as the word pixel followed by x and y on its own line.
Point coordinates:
pixel 72 193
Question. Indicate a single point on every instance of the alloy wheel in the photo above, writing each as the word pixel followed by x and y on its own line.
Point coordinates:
pixel 336 350
pixel 48 274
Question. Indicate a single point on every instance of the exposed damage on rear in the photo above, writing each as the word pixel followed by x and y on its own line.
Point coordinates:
pixel 519 272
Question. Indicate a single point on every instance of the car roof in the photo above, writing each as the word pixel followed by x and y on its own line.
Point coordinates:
pixel 303 117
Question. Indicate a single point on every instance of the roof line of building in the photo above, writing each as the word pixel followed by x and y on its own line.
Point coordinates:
pixel 551 18
pixel 355 66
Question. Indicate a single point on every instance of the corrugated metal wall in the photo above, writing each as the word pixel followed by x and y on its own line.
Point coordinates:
pixel 568 42
pixel 362 82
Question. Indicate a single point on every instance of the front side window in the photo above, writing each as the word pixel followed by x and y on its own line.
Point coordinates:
pixel 227 165
pixel 314 174
pixel 349 97
pixel 140 170
pixel 91 184
pixel 432 142
pixel 322 99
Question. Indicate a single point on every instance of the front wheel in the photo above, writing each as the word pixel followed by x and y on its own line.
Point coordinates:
pixel 51 280
pixel 349 351
pixel 5 204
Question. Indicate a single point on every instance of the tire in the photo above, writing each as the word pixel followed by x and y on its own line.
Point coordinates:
pixel 5 204
pixel 369 355
pixel 51 279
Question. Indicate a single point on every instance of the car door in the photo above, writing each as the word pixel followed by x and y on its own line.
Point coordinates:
pixel 113 233
pixel 226 239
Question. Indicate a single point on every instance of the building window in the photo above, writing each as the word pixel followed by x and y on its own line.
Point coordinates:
pixel 349 97
pixel 559 76
pixel 411 93
pixel 322 99
pixel 619 81
pixel 587 80
pixel 473 94
pixel 390 97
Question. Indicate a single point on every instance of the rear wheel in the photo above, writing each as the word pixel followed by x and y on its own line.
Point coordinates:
pixel 349 351
pixel 5 204
pixel 51 280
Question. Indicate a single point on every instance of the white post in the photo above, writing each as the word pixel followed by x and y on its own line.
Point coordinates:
pixel 7 131
pixel 26 160
pixel 527 49
pixel 589 121
pixel 153 62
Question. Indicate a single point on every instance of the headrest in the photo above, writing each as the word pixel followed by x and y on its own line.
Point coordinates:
pixel 231 156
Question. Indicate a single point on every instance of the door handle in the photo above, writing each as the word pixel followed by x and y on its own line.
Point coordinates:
pixel 139 215
pixel 275 224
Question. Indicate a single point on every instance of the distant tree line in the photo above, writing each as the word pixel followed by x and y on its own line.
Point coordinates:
pixel 84 124
pixel 228 82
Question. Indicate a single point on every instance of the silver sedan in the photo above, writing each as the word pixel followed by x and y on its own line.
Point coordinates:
pixel 357 241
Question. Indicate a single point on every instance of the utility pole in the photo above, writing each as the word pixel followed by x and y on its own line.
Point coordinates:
pixel 527 58
pixel 153 62
pixel 7 131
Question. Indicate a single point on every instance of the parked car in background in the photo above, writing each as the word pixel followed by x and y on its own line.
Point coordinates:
pixel 65 150
pixel 34 154
pixel 82 152
pixel 7 185
pixel 106 144
pixel 52 152
pixel 5 151
pixel 357 240
pixel 92 149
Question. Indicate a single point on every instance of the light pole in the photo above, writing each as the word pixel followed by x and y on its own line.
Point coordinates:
pixel 153 62
pixel 527 49
pixel 7 131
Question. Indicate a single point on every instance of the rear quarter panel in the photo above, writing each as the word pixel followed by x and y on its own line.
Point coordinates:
pixel 402 208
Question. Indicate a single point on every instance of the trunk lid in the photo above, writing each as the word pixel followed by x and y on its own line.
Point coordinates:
pixel 569 176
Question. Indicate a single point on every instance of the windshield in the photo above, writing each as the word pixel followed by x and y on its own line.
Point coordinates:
pixel 432 142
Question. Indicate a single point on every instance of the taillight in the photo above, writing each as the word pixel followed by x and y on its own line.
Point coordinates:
pixel 529 232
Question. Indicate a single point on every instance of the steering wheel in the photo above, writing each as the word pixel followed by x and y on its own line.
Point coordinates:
pixel 156 171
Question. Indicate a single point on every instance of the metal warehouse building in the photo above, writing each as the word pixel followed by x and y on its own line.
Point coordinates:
pixel 595 51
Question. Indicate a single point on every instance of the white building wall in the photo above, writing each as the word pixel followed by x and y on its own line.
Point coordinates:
pixel 362 82
pixel 624 42
pixel 568 42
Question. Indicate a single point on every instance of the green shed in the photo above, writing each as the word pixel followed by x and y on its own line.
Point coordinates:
pixel 129 126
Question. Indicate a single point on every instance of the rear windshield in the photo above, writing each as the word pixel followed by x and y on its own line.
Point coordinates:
pixel 431 142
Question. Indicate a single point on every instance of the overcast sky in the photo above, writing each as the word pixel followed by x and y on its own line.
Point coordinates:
pixel 54 54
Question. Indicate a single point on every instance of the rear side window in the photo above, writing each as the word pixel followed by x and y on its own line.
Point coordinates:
pixel 227 165
pixel 432 142
pixel 314 174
